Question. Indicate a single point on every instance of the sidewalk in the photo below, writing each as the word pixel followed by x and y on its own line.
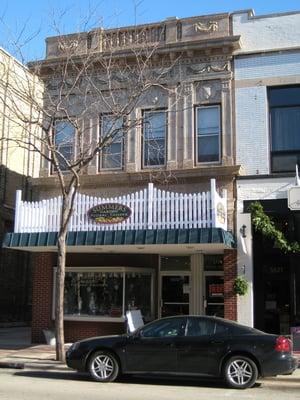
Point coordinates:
pixel 15 348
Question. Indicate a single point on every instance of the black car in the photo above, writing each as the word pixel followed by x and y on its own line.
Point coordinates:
pixel 186 346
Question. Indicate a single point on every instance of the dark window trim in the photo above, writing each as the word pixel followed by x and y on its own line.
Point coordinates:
pixel 100 168
pixel 145 110
pixel 279 152
pixel 70 120
pixel 197 163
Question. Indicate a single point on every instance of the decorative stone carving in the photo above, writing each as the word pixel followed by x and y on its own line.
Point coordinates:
pixel 208 92
pixel 68 46
pixel 225 86
pixel 210 26
pixel 208 68
pixel 187 88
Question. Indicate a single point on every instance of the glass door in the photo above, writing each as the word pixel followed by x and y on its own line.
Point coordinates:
pixel 175 295
pixel 214 295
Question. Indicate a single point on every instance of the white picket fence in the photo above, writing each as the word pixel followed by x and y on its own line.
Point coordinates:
pixel 151 208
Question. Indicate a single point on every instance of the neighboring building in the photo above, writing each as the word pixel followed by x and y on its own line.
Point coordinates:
pixel 267 113
pixel 175 254
pixel 16 164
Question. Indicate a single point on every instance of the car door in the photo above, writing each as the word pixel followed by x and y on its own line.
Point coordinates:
pixel 201 349
pixel 154 347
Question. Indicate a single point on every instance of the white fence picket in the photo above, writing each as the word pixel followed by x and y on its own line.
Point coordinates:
pixel 151 208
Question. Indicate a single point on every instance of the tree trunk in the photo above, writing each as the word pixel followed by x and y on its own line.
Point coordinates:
pixel 60 281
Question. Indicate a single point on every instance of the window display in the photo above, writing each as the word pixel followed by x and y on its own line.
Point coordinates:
pixel 108 292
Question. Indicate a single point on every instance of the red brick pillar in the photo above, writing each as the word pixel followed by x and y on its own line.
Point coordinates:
pixel 230 273
pixel 42 289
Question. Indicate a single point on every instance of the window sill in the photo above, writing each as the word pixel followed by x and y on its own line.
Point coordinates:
pixel 93 318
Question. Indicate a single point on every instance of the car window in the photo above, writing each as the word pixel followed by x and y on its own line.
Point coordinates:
pixel 164 328
pixel 200 327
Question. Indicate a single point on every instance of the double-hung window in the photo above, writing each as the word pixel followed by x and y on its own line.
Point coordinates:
pixel 154 138
pixel 112 138
pixel 208 130
pixel 64 139
pixel 284 103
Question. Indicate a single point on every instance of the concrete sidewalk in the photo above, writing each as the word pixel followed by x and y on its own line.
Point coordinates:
pixel 16 348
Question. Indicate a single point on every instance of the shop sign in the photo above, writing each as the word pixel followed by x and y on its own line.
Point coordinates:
pixel 109 213
pixel 216 290
pixel 221 213
pixel 294 198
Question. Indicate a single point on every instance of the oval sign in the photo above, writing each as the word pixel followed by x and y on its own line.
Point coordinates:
pixel 109 213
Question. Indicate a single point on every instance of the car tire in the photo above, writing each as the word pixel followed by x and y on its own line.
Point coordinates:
pixel 103 366
pixel 240 372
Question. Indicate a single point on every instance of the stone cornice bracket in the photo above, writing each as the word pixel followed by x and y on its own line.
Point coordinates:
pixel 210 26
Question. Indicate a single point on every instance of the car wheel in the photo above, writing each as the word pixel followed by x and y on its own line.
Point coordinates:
pixel 240 372
pixel 103 367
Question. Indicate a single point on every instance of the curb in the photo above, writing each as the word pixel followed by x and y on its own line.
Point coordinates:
pixel 5 364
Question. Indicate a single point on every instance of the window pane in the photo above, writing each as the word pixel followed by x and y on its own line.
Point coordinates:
pixel 175 263
pixel 94 293
pixel 285 162
pixel 154 152
pixel 64 142
pixel 165 328
pixel 154 130
pixel 285 123
pixel 138 293
pixel 208 121
pixel 112 156
pixel 208 148
pixel 200 327
pixel 111 128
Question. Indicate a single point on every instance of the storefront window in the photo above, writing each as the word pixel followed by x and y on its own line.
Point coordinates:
pixel 108 293
pixel 138 293
pixel 181 263
pixel 213 262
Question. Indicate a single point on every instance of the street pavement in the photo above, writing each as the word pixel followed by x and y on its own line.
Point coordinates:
pixel 45 378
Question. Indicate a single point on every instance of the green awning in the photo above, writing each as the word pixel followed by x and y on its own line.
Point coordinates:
pixel 47 240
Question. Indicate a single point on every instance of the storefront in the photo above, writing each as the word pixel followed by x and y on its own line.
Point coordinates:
pixel 182 261
pixel 273 302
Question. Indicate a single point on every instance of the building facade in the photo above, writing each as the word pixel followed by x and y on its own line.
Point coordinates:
pixel 267 100
pixel 16 164
pixel 171 181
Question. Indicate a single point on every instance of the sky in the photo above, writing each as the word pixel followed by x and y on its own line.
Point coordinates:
pixel 24 24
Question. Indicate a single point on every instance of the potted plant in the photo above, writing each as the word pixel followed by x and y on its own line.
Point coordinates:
pixel 240 286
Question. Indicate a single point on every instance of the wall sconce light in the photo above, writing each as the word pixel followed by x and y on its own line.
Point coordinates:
pixel 243 231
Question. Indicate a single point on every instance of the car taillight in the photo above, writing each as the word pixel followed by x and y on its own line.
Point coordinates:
pixel 283 344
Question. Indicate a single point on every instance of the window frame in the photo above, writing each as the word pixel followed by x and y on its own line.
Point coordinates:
pixel 157 110
pixel 272 152
pixel 116 269
pixel 100 158
pixel 204 106
pixel 71 121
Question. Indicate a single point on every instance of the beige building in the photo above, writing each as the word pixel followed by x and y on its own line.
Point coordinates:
pixel 170 178
pixel 20 90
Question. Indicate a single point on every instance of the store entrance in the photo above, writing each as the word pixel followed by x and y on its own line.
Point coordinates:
pixel 175 295
pixel 214 295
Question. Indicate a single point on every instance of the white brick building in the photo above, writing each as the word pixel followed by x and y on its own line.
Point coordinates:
pixel 267 104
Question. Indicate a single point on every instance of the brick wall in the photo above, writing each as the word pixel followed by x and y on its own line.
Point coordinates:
pixel 230 273
pixel 77 330
pixel 42 286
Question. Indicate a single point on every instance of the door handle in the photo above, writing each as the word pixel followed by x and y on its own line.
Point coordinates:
pixel 216 342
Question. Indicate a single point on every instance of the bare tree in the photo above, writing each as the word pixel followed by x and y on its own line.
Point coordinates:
pixel 86 76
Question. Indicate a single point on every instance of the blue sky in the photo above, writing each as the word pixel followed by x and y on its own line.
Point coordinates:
pixel 30 22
